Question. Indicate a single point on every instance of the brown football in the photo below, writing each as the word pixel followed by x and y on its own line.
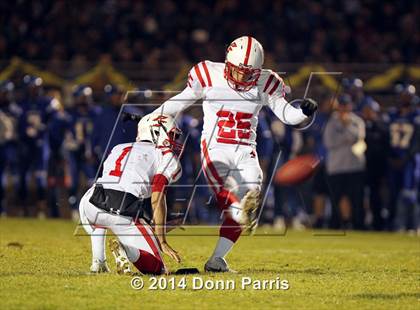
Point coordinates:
pixel 297 170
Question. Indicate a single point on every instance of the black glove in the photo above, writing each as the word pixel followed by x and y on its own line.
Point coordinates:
pixel 130 117
pixel 308 106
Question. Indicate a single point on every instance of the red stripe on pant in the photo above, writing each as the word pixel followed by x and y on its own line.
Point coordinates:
pixel 213 187
pixel 230 229
pixel 147 262
pixel 210 164
pixel 224 198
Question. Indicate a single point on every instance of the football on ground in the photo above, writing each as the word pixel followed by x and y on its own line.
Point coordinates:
pixel 297 170
pixel 324 269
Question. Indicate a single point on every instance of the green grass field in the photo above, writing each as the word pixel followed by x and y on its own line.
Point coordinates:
pixel 44 265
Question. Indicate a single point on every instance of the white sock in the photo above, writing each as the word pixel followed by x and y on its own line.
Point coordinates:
pixel 223 247
pixel 98 244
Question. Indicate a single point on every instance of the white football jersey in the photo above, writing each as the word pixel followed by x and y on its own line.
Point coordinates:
pixel 230 116
pixel 130 167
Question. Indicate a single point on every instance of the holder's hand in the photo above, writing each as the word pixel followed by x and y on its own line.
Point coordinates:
pixel 168 250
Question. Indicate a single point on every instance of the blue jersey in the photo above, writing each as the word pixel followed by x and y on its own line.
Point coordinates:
pixel 281 136
pixel 9 115
pixel 264 138
pixel 316 131
pixel 82 128
pixel 105 133
pixel 58 126
pixel 190 128
pixel 33 120
pixel 401 132
pixel 360 104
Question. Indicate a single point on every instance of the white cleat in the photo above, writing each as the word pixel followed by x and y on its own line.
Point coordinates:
pixel 217 264
pixel 99 266
pixel 121 259
pixel 249 206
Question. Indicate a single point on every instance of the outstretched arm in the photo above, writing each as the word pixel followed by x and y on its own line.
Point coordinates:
pixel 175 105
pixel 192 92
pixel 287 113
pixel 272 88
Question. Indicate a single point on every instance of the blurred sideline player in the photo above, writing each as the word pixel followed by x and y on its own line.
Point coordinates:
pixel 59 126
pixel 104 126
pixel 9 114
pixel 402 122
pixel 316 143
pixel 354 88
pixel 377 153
pixel 191 166
pixel 132 173
pixel 233 93
pixel 288 210
pixel 36 109
pixel 79 143
pixel 344 139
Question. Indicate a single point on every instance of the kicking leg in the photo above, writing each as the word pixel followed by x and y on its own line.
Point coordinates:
pixel 216 174
pixel 236 214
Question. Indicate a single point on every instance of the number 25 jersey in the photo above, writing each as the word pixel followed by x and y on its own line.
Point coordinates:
pixel 230 116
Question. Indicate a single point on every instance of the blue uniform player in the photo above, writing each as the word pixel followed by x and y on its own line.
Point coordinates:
pixel 33 146
pixel 105 135
pixel 9 113
pixel 185 189
pixel 402 123
pixel 59 131
pixel 79 145
pixel 287 143
pixel 265 145
pixel 315 143
pixel 354 88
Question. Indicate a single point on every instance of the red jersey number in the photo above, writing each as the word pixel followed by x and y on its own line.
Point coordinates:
pixel 117 172
pixel 234 125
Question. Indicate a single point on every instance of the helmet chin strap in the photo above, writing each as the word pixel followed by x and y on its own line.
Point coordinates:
pixel 152 134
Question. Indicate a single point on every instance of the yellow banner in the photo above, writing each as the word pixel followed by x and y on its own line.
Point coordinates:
pixel 104 72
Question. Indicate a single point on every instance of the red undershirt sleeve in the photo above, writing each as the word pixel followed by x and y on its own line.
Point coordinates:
pixel 159 183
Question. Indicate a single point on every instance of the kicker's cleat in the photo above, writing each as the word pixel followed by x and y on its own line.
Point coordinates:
pixel 121 259
pixel 99 266
pixel 217 264
pixel 249 206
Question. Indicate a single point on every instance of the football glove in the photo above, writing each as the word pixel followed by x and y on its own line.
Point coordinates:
pixel 308 106
pixel 130 117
